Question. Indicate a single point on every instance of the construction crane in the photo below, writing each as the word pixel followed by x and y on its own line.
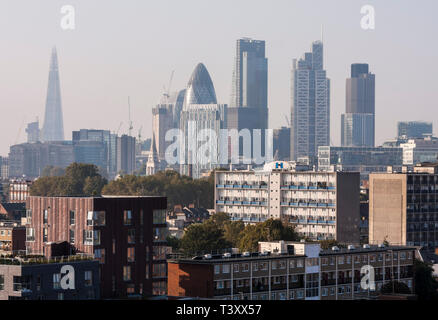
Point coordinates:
pixel 117 132
pixel 139 134
pixel 129 115
pixel 287 120
pixel 166 93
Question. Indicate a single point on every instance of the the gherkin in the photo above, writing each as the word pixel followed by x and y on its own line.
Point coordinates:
pixel 200 89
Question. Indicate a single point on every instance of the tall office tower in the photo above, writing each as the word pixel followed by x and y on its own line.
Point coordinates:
pixel 125 154
pixel 162 121
pixel 414 129
pixel 96 147
pixel 201 113
pixel 53 129
pixel 281 143
pixel 177 100
pixel 358 123
pixel 310 105
pixel 33 132
pixel 249 94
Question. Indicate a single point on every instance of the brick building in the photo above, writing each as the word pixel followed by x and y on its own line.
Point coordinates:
pixel 124 233
pixel 301 272
pixel 12 238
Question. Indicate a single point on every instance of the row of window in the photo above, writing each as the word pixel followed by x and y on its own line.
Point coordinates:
pixel 263 266
pixel 364 258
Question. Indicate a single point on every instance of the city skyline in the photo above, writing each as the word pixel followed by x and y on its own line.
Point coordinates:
pixel 99 86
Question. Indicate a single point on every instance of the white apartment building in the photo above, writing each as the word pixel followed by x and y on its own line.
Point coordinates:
pixel 322 205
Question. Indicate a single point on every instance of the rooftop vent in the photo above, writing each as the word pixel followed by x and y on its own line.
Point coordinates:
pixel 381 245
pixel 366 246
pixel 246 254
pixel 264 253
pixel 335 248
pixel 351 247
pixel 207 256
pixel 227 255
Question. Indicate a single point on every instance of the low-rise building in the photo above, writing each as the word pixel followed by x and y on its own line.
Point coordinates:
pixel 303 272
pixel 322 205
pixel 42 279
pixel 19 190
pixel 12 238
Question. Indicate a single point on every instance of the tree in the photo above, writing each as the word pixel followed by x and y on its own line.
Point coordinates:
pixel 79 180
pixel 203 238
pixel 327 244
pixel 395 287
pixel 173 242
pixel 233 232
pixel 270 230
pixel 425 285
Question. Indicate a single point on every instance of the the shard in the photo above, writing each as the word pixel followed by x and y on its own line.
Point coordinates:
pixel 53 129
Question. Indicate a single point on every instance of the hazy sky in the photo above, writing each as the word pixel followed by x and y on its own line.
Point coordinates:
pixel 129 48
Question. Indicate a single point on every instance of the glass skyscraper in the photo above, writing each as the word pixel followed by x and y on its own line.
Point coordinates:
pixel 53 129
pixel 310 104
pixel 358 123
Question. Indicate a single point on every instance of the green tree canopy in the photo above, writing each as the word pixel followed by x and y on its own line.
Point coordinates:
pixel 203 238
pixel 425 285
pixel 79 180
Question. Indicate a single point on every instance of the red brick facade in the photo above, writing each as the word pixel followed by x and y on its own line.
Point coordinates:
pixel 189 280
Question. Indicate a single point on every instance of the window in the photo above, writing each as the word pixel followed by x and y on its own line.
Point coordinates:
pixel 131 236
pixel 324 292
pixel 299 263
pixel 90 218
pixel 131 254
pixel 29 216
pixel 56 281
pixel 60 296
pixel 364 259
pixel 291 264
pixel 341 260
pixel 324 261
pixel 127 273
pixel 2 282
pixel 282 264
pixel 373 258
pixel 88 237
pixel 348 260
pixel 217 269
pixel 88 278
pixel 45 235
pixel 402 255
pixel 159 217
pixel 332 291
pixel 99 254
pixel 96 237
pixel 141 217
pixel 127 217
pixel 72 236
pixel 254 266
pixel 300 294
pixel 219 285
pixel 274 265
pixel 30 234
pixel 159 270
pixel 245 267
pixel 72 218
pixel 226 268
pixel 45 216
pixel 147 272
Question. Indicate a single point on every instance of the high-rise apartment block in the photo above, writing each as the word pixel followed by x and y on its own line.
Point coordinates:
pixel 322 205
pixel 310 104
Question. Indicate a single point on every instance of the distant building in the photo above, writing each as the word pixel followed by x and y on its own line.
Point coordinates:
pixel 281 144
pixel 30 159
pixel 322 205
pixel 19 190
pixel 33 132
pixel 414 129
pixel 358 122
pixel 125 154
pixel 359 159
pixel 162 122
pixel 53 129
pixel 291 271
pixel 12 211
pixel 40 279
pixel 4 168
pixel 200 112
pixel 98 147
pixel 310 109
pixel 126 234
pixel 153 163
pixel 402 207
pixel 416 151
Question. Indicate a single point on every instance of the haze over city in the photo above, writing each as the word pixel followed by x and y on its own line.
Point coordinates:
pixel 122 49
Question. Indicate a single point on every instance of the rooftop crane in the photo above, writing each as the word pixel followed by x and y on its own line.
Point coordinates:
pixel 166 93
pixel 129 115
